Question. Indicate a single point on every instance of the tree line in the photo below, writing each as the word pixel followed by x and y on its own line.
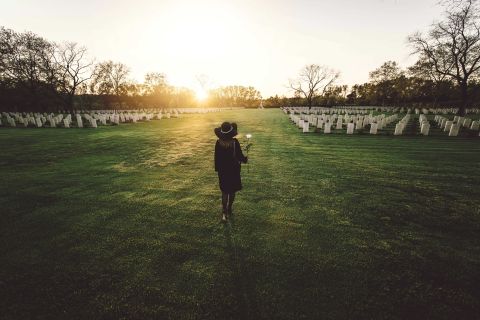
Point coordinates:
pixel 41 75
pixel 388 85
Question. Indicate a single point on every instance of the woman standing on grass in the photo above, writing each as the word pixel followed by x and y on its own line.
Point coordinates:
pixel 228 159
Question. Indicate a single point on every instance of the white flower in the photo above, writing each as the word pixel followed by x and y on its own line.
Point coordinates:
pixel 248 136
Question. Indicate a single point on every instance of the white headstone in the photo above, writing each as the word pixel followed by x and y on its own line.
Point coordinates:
pixel 398 129
pixel 442 123
pixel 79 121
pixel 320 123
pixel 373 128
pixel 328 127
pixel 359 124
pixel 475 125
pixel 467 122
pixel 350 128
pixel 448 125
pixel 301 123
pixel 339 124
pixel 425 129
pixel 454 130
pixel 306 126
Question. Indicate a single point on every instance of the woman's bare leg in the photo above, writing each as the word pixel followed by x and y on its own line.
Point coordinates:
pixel 231 198
pixel 224 202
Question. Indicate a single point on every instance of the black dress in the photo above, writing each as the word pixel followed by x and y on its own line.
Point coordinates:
pixel 227 164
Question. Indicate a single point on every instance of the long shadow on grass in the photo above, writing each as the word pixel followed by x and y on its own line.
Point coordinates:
pixel 242 282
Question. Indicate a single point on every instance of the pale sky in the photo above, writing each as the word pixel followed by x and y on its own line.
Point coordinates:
pixel 244 42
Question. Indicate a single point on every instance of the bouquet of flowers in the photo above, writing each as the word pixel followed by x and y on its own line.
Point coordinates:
pixel 247 145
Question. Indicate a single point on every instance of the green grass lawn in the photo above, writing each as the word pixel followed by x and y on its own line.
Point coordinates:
pixel 124 223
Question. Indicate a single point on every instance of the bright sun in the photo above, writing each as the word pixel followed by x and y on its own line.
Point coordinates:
pixel 194 37
pixel 201 94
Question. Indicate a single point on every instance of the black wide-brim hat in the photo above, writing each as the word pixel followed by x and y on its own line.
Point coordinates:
pixel 226 131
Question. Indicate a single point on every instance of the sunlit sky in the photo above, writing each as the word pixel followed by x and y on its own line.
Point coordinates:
pixel 244 42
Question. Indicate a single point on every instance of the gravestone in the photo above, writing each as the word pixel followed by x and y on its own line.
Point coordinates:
pixel 328 127
pixel 475 125
pixel 425 129
pixel 79 121
pixel 382 124
pixel 359 124
pixel 442 123
pixel 398 129
pixel 339 124
pixel 448 126
pixel 373 128
pixel 320 123
pixel 454 130
pixel 350 128
pixel 301 123
pixel 306 126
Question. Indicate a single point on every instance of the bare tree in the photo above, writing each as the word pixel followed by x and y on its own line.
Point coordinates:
pixel 424 69
pixel 312 81
pixel 73 69
pixel 452 46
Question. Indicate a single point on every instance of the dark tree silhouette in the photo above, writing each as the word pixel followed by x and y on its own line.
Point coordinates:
pixel 312 81
pixel 452 46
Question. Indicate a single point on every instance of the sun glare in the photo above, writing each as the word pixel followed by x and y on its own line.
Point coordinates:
pixel 201 94
pixel 197 37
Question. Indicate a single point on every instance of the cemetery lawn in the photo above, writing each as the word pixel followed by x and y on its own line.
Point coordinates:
pixel 124 223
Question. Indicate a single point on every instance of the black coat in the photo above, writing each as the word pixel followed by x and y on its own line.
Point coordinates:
pixel 227 163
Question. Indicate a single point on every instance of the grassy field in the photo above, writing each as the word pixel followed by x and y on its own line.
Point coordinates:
pixel 124 223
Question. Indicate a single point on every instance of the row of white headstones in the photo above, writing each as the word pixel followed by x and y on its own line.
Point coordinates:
pixel 369 109
pixel 91 119
pixel 360 121
pixel 352 122
pixel 453 126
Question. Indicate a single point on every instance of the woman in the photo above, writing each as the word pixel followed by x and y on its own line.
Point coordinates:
pixel 228 157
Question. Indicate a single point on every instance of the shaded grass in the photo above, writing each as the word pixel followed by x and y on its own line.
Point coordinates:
pixel 123 222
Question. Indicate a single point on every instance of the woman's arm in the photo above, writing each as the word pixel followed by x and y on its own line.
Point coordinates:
pixel 239 153
pixel 215 160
